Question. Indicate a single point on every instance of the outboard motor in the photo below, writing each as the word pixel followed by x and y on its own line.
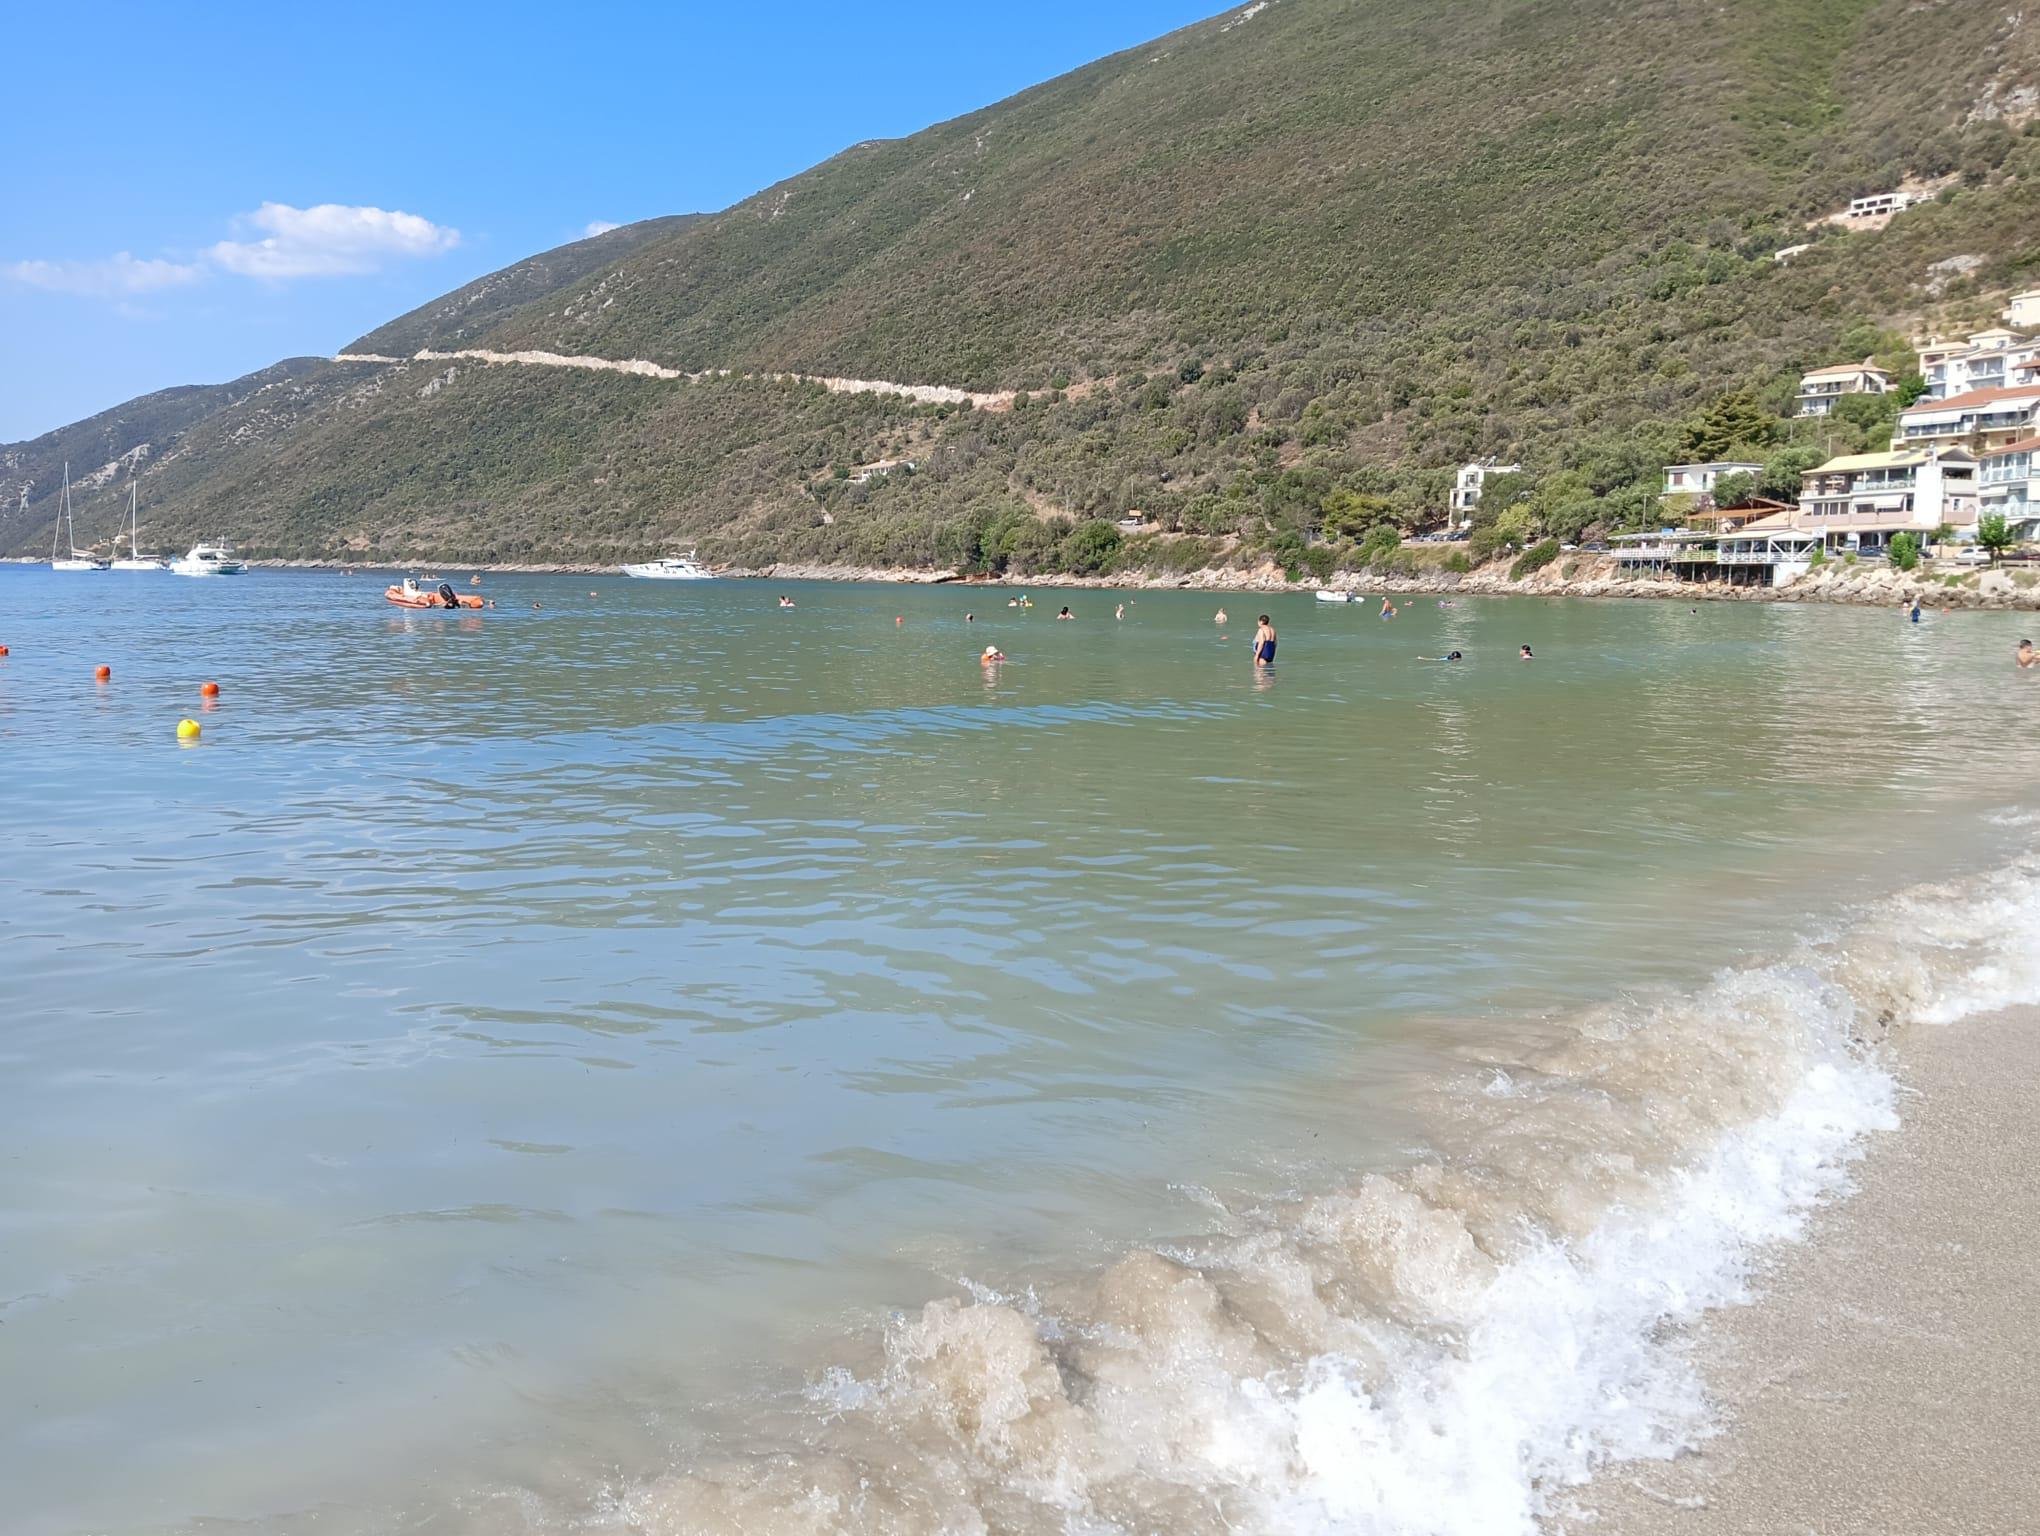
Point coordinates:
pixel 446 595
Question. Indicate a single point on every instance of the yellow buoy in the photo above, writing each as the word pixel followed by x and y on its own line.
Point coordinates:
pixel 187 730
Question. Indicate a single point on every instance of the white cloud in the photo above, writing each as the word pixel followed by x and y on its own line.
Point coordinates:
pixel 598 227
pixel 331 240
pixel 115 277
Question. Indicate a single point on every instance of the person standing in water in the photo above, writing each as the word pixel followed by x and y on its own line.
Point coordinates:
pixel 1915 610
pixel 1264 643
pixel 2025 655
pixel 1218 618
pixel 1119 612
pixel 1523 654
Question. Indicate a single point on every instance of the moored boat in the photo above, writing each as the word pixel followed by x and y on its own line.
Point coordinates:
pixel 671 568
pixel 78 559
pixel 209 560
pixel 134 559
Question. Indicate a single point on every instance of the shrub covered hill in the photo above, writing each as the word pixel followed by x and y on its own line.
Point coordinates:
pixel 1266 279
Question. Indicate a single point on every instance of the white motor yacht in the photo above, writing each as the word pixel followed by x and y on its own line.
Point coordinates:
pixel 78 559
pixel 209 560
pixel 672 568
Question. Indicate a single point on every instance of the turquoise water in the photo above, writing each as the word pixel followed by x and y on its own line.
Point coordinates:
pixel 510 1052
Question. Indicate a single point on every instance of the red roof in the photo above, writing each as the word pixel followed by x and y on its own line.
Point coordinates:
pixel 1971 397
pixel 2023 445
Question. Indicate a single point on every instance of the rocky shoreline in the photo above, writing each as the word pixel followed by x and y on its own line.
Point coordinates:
pixel 1873 586
pixel 1585 575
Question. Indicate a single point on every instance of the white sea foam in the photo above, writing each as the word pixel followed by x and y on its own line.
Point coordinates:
pixel 1438 1352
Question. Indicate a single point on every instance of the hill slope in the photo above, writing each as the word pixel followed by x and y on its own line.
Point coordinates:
pixel 1308 250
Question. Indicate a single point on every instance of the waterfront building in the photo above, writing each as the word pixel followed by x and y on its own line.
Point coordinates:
pixel 2005 485
pixel 1471 480
pixel 1858 502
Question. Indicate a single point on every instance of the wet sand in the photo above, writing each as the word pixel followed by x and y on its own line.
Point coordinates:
pixel 1888 1381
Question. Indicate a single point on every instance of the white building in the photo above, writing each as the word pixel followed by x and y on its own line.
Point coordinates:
pixel 1987 360
pixel 2005 485
pixel 1982 418
pixel 1880 203
pixel 1467 485
pixel 2023 313
pixel 1699 479
pixel 1857 502
pixel 1820 389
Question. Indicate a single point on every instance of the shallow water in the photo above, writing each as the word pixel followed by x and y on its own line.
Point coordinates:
pixel 511 1058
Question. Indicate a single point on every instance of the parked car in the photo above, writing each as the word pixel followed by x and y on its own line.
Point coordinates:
pixel 1971 554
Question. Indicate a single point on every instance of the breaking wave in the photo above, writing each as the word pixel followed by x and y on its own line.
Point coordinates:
pixel 1444 1349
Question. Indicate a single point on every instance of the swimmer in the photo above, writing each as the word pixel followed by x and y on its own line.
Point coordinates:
pixel 785 601
pixel 899 619
pixel 992 654
pixel 1218 617
pixel 1915 610
pixel 970 618
pixel 1264 643
pixel 1523 653
pixel 1449 656
pixel 538 605
pixel 1119 612
pixel 2024 655
pixel 1012 602
pixel 1066 614
pixel 1387 609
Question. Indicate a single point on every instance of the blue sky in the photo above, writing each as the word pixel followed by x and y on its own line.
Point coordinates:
pixel 195 191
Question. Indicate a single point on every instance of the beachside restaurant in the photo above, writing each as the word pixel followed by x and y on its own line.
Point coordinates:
pixel 1668 554
pixel 1768 552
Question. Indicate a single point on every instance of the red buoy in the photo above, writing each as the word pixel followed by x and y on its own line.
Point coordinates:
pixel 102 673
pixel 209 690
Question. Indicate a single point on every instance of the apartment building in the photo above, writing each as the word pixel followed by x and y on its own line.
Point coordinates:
pixel 1820 389
pixel 1859 501
pixel 2005 486
pixel 1982 419
pixel 1987 360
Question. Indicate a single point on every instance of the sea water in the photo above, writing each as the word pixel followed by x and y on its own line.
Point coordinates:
pixel 638 1058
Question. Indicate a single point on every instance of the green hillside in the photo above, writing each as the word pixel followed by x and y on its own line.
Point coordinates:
pixel 1267 279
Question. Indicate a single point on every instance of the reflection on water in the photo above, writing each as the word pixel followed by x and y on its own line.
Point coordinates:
pixel 549 1027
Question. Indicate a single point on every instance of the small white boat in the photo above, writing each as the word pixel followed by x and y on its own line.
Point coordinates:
pixel 135 560
pixel 78 559
pixel 208 560
pixel 672 568
pixel 1326 595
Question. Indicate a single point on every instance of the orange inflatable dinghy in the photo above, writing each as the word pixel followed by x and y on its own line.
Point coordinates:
pixel 411 595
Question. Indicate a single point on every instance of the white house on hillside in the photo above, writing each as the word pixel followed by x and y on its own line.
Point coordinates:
pixel 1820 389
pixel 1880 202
pixel 1987 360
pixel 2023 313
pixel 1467 485
pixel 1699 479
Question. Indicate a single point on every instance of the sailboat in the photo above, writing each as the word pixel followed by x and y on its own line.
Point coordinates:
pixel 78 559
pixel 136 560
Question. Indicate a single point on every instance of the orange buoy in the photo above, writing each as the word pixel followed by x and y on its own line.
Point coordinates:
pixel 102 673
pixel 208 690
pixel 3 650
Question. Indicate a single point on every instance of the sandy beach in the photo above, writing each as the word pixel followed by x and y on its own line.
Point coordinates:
pixel 1886 1380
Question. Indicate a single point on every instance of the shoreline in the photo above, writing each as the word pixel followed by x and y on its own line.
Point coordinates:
pixel 1996 588
pixel 1881 1379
